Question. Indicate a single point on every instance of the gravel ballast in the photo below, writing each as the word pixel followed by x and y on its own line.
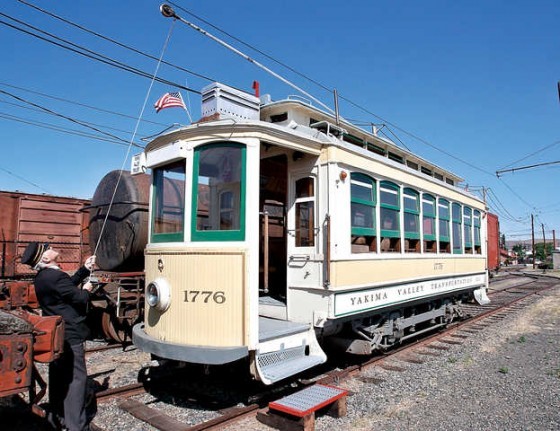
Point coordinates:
pixel 504 377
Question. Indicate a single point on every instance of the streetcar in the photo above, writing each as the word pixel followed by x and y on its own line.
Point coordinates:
pixel 277 229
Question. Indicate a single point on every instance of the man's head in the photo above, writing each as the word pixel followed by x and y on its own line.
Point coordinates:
pixel 36 253
pixel 49 256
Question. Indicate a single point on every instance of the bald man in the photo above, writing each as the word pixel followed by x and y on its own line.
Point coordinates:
pixel 58 294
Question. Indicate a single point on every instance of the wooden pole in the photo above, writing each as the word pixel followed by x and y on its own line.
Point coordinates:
pixel 544 243
pixel 533 238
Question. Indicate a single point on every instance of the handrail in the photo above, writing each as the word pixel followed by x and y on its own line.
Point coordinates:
pixel 266 252
pixel 328 251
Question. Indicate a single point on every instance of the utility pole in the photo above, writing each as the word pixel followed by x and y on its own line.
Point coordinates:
pixel 544 244
pixel 544 248
pixel 533 237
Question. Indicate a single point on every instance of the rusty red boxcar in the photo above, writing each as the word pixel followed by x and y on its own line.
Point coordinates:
pixel 493 242
pixel 26 217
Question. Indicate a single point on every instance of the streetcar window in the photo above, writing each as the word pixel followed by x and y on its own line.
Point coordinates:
pixel 395 157
pixel 429 223
pixel 389 199
pixel 412 165
pixel 305 212
pixel 218 199
pixel 411 204
pixel 363 196
pixel 476 230
pixel 168 212
pixel 467 229
pixel 444 217
pixel 456 221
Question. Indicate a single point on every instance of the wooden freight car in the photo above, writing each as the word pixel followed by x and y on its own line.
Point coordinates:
pixel 493 242
pixel 27 217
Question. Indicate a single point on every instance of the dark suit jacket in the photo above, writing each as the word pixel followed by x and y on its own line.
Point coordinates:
pixel 59 295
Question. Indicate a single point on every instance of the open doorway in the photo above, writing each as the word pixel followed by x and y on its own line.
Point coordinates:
pixel 272 231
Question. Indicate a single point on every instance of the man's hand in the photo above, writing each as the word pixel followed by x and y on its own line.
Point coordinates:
pixel 87 286
pixel 90 263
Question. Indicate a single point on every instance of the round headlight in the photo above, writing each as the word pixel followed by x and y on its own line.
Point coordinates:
pixel 158 294
pixel 152 294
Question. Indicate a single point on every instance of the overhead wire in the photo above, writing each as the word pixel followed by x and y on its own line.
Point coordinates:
pixel 24 179
pixel 540 150
pixel 90 54
pixel 264 54
pixel 114 41
pixel 73 120
pixel 33 109
pixel 60 129
pixel 73 102
pixel 500 207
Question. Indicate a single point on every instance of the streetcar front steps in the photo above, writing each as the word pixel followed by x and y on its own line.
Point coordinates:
pixel 285 349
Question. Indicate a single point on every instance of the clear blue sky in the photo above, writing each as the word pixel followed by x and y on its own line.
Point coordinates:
pixel 475 81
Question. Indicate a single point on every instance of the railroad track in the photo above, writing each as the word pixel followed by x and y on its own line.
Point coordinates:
pixel 505 299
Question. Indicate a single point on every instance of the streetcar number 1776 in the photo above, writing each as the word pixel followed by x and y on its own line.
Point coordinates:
pixel 205 296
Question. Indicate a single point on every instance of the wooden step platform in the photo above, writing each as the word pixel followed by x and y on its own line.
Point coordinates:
pixel 297 411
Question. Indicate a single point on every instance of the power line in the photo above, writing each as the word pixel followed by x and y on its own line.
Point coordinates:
pixel 24 179
pixel 29 108
pixel 498 173
pixel 80 104
pixel 529 155
pixel 56 128
pixel 92 55
pixel 73 120
pixel 108 39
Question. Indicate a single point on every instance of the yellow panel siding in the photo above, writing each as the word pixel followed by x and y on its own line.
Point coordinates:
pixel 200 319
pixel 383 271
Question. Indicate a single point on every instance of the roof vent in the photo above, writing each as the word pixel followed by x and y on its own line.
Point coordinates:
pixel 219 100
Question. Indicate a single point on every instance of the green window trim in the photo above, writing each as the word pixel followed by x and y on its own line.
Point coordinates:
pixel 219 235
pixel 365 231
pixel 390 233
pixel 456 211
pixel 444 203
pixel 391 188
pixel 476 220
pixel 157 179
pixel 467 226
pixel 167 237
pixel 412 195
pixel 429 215
pixel 457 228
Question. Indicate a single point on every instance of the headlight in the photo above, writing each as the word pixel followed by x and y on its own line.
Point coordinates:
pixel 158 294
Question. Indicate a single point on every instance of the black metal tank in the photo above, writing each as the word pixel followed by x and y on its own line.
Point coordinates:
pixel 119 246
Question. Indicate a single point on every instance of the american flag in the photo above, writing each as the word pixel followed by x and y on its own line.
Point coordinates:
pixel 170 100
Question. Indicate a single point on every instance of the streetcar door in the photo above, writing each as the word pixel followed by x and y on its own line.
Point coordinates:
pixel 304 263
pixel 272 231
